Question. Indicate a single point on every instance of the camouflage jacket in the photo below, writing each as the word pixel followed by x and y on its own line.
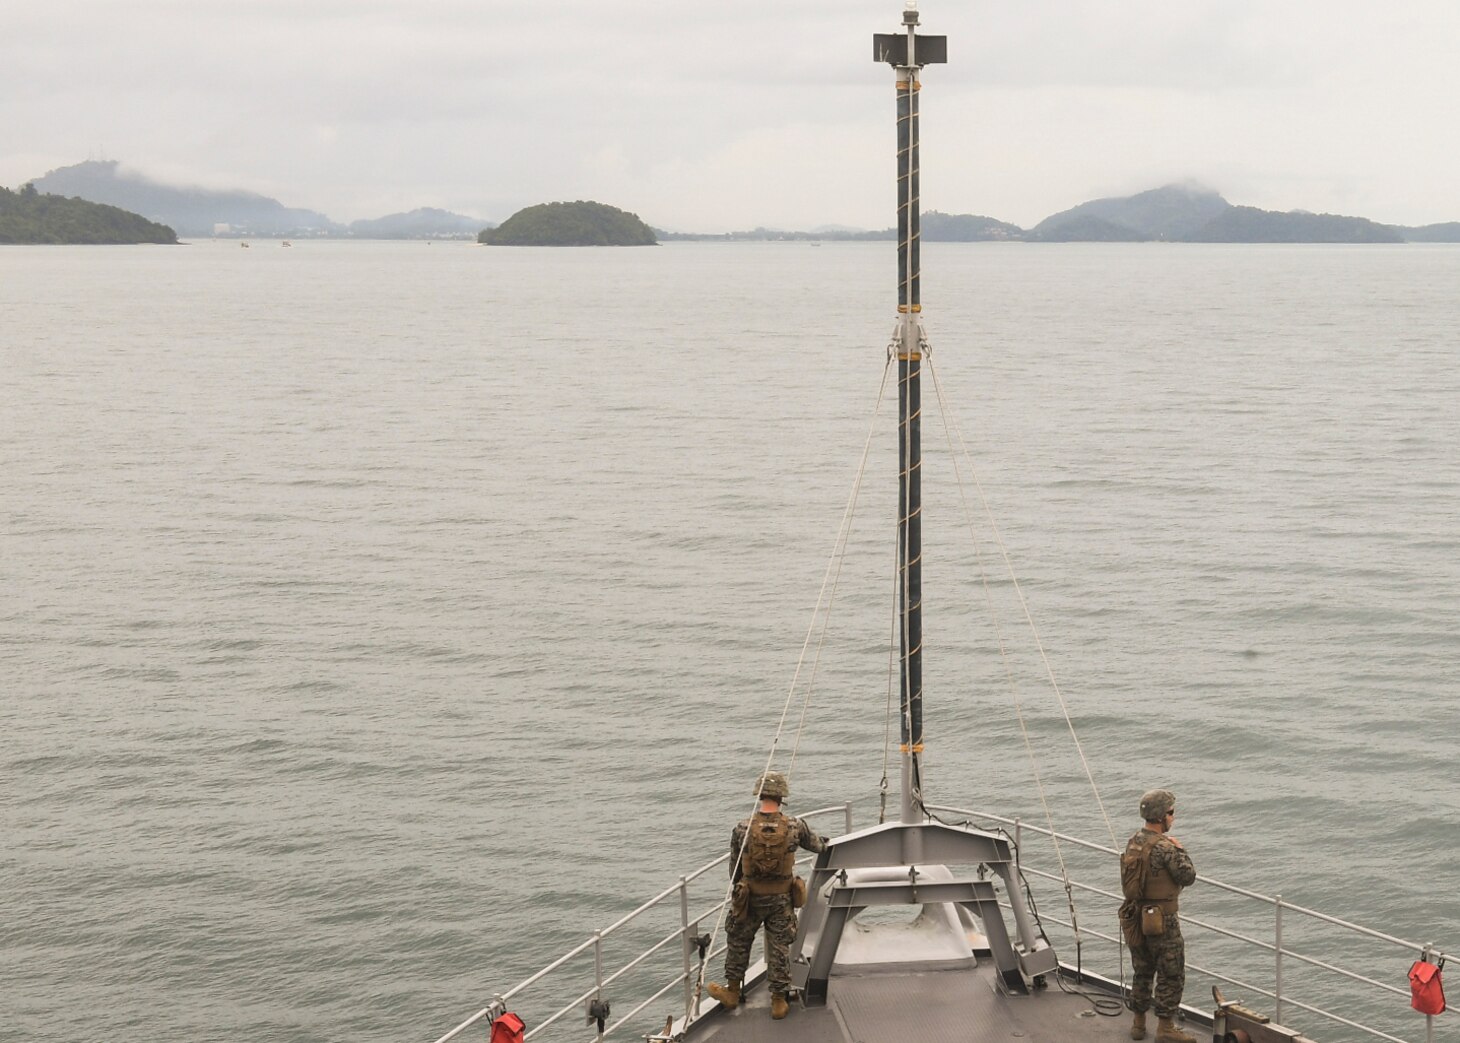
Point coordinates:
pixel 806 837
pixel 1168 857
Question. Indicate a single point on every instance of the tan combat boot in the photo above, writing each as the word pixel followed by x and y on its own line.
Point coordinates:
pixel 780 1008
pixel 1138 1026
pixel 728 994
pixel 1167 1032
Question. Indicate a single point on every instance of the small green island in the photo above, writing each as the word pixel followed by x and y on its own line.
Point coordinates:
pixel 32 217
pixel 570 224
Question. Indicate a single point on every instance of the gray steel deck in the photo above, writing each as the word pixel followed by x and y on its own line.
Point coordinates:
pixel 922 1006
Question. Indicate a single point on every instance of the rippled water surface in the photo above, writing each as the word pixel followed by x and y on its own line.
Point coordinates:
pixel 379 619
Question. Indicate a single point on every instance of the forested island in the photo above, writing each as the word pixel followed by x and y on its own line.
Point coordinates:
pixel 28 216
pixel 570 224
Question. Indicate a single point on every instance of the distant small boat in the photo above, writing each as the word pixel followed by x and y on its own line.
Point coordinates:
pixel 288 243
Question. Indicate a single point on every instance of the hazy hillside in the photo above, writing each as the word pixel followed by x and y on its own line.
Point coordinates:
pixel 1169 212
pixel 423 223
pixel 1247 224
pixel 191 211
pixel 1085 228
pixel 1187 213
pixel 963 228
pixel 1448 232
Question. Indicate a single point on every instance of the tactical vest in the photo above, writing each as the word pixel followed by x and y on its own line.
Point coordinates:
pixel 769 861
pixel 1157 886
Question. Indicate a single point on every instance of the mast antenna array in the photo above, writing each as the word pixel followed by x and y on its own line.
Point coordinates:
pixel 907 52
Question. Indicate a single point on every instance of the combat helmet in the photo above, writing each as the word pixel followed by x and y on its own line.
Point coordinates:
pixel 772 784
pixel 1156 803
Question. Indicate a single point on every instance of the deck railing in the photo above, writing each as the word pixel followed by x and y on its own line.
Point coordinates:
pixel 1278 955
pixel 688 933
pixel 1235 945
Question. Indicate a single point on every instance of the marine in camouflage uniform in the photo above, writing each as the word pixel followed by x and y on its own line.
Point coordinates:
pixel 773 911
pixel 1159 961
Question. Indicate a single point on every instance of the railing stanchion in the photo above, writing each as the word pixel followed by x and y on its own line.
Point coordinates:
pixel 598 973
pixel 1277 989
pixel 689 983
pixel 847 808
pixel 1429 954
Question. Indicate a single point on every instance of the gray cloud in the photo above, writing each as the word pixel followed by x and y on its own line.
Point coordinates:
pixel 720 115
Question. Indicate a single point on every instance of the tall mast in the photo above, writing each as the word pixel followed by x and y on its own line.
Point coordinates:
pixel 908 52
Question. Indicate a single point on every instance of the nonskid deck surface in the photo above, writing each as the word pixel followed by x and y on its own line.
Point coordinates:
pixel 926 1006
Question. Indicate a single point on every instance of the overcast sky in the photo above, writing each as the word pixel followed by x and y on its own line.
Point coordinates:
pixel 712 115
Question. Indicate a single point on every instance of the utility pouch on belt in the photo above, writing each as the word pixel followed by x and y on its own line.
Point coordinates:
pixel 798 892
pixel 1153 920
pixel 1130 923
pixel 740 901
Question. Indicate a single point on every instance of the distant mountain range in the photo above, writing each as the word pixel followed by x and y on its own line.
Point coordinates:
pixel 936 227
pixel 1172 213
pixel 1192 214
pixel 423 223
pixel 204 212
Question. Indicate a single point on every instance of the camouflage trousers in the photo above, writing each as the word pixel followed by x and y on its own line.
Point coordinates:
pixel 775 912
pixel 1162 959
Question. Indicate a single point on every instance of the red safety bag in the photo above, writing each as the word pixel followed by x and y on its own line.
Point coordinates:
pixel 507 1029
pixel 1428 995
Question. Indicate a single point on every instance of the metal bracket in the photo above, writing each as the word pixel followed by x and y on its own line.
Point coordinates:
pixel 598 1012
pixel 666 1036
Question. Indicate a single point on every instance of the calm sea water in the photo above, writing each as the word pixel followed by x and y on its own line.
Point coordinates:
pixel 380 619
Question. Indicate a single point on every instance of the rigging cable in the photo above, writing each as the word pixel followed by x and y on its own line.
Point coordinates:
pixel 892 624
pixel 887 715
pixel 1003 652
pixel 839 557
pixel 829 580
pixel 1023 603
